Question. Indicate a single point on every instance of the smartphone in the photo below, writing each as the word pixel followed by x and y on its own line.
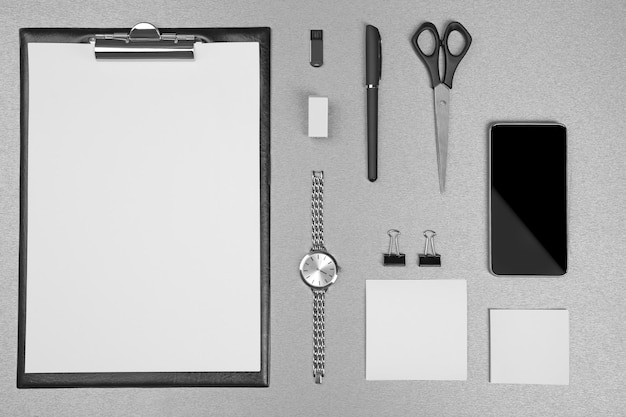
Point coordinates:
pixel 528 199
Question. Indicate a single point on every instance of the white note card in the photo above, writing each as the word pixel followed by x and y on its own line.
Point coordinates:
pixel 143 211
pixel 416 330
pixel 529 346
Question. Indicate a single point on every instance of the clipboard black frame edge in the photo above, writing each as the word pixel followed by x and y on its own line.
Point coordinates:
pixel 262 35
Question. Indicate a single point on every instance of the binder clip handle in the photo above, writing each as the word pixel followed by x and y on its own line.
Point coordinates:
pixel 430 257
pixel 393 257
pixel 429 244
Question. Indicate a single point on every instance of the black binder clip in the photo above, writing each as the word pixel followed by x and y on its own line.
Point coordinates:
pixel 429 257
pixel 393 257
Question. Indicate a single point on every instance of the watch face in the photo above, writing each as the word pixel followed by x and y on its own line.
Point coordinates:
pixel 318 269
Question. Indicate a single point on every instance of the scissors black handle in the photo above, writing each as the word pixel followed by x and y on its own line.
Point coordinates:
pixel 431 61
pixel 451 61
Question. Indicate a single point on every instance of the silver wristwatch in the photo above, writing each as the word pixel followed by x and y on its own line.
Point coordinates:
pixel 318 270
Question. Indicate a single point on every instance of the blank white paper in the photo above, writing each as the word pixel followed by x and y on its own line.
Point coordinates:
pixel 529 346
pixel 143 211
pixel 416 330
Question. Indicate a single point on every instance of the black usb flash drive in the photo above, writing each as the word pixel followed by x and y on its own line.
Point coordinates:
pixel 317 48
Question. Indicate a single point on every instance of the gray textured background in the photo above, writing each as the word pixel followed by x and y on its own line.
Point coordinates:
pixel 539 60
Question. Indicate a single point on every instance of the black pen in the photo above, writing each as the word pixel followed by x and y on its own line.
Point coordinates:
pixel 373 69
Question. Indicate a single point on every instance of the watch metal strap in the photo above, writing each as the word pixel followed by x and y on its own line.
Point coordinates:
pixel 317 211
pixel 319 343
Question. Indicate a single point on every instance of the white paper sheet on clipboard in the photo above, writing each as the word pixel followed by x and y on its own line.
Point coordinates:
pixel 143 211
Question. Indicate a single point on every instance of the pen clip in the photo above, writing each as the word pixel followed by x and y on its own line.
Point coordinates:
pixel 380 58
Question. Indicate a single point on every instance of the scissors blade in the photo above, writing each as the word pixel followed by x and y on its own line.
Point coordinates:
pixel 442 122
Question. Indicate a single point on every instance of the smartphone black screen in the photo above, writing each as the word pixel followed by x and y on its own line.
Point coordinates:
pixel 528 199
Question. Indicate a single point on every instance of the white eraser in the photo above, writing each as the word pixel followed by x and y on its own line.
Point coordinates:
pixel 318 117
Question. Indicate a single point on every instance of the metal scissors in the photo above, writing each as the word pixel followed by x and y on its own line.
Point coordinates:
pixel 441 86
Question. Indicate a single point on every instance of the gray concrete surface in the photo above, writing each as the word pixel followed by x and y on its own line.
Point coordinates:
pixel 535 60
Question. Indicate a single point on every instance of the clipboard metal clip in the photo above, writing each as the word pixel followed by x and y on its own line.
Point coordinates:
pixel 143 41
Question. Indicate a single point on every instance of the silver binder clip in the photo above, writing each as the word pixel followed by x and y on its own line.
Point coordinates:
pixel 143 41
pixel 430 257
pixel 393 257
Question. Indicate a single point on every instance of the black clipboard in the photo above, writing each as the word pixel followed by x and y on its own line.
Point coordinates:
pixel 151 379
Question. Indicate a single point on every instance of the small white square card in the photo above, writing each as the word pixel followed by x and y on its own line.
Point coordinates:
pixel 416 330
pixel 529 346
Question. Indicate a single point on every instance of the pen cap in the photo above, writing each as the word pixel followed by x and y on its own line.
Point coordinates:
pixel 373 55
